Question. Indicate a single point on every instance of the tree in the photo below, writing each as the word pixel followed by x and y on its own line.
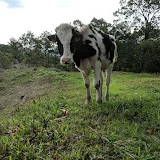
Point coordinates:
pixel 28 40
pixel 16 49
pixel 5 48
pixel 77 23
pixel 101 24
pixel 45 46
pixel 140 14
pixel 6 59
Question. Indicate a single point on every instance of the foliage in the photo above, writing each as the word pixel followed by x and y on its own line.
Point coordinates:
pixel 138 42
pixel 16 50
pixel 59 126
pixel 77 23
pixel 32 50
pixel 141 14
pixel 101 24
pixel 5 48
pixel 6 59
pixel 143 56
pixel 151 55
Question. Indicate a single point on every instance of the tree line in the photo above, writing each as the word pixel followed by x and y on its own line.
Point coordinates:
pixel 136 29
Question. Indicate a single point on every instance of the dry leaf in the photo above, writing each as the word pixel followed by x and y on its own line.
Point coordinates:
pixel 65 112
pixel 150 131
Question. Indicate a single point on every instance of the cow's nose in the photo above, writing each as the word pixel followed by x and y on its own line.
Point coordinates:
pixel 66 60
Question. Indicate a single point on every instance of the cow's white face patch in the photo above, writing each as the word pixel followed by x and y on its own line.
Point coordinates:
pixel 64 35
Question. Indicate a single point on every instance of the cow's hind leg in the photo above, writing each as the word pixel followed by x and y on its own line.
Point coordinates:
pixel 108 79
pixel 98 81
pixel 87 85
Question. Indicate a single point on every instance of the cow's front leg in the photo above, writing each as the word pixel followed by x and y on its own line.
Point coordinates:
pixel 98 81
pixel 87 85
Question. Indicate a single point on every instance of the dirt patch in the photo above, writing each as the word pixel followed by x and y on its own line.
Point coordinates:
pixel 19 95
pixel 21 87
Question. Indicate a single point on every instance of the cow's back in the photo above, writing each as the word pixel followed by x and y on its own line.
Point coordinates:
pixel 104 45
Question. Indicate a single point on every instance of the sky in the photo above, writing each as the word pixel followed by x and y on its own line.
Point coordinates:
pixel 19 16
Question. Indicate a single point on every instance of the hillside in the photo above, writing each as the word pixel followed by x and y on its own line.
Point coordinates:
pixel 43 116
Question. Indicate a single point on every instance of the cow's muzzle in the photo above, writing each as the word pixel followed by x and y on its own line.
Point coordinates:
pixel 66 60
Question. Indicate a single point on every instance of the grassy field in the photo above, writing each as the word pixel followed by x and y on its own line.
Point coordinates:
pixel 43 116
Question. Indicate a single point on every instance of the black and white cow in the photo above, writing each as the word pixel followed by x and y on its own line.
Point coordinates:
pixel 90 49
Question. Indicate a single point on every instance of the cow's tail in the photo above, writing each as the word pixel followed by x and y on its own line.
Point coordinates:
pixel 115 53
pixel 117 34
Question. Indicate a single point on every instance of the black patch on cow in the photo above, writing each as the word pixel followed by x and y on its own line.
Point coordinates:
pixel 108 42
pixel 99 52
pixel 88 42
pixel 80 48
pixel 112 52
pixel 98 58
pixel 112 39
pixel 99 31
pixel 87 85
pixel 92 29
pixel 92 36
pixel 97 86
pixel 60 46
pixel 109 46
pixel 72 42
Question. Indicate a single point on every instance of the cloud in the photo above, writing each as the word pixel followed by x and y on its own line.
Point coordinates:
pixel 13 3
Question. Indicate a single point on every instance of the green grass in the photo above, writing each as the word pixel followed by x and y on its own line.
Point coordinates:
pixel 54 123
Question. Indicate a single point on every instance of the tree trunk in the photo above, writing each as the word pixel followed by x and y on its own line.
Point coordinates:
pixel 147 30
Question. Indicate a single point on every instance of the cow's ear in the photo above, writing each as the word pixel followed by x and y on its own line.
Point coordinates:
pixel 52 38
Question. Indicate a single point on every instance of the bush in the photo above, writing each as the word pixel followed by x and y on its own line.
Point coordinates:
pixel 6 59
pixel 151 55
pixel 139 57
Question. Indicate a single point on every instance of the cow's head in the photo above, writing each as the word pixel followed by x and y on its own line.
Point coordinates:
pixel 65 38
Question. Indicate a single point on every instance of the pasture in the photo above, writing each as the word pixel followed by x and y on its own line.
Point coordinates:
pixel 43 116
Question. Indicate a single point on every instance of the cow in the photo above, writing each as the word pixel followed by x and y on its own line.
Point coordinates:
pixel 89 49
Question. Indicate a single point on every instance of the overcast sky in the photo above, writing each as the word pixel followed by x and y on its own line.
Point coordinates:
pixel 19 16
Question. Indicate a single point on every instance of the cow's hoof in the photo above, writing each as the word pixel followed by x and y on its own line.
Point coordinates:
pixel 99 101
pixel 87 101
pixel 107 98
